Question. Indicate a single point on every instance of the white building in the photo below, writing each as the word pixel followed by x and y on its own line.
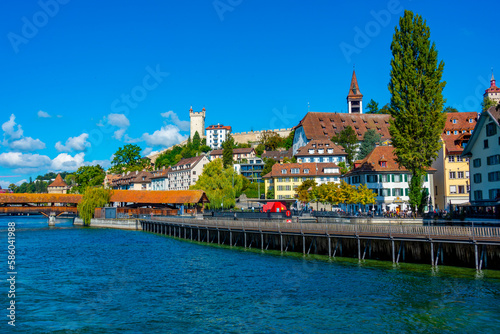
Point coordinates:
pixel 186 172
pixel 321 150
pixel 483 150
pixel 159 180
pixel 216 135
pixel 382 174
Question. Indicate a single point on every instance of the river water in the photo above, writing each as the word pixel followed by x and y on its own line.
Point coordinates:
pixel 84 280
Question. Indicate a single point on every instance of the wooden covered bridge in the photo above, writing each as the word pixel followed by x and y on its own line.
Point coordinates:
pixel 45 204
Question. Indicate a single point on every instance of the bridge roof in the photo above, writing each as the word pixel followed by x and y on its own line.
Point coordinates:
pixel 39 198
pixel 159 196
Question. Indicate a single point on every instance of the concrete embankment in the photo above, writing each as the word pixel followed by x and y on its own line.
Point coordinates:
pixel 125 224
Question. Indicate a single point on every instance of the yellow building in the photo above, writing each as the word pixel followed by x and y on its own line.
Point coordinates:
pixel 285 178
pixel 452 181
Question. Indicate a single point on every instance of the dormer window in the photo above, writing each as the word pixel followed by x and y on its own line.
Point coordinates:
pixel 283 171
pixel 454 121
pixel 330 150
pixel 455 132
pixel 321 151
pixel 383 163
pixel 470 120
pixel 306 171
pixel 447 132
pixel 311 151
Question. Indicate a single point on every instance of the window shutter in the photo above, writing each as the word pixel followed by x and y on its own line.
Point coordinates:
pixel 426 177
pixel 406 177
pixel 407 191
pixel 392 177
pixel 393 191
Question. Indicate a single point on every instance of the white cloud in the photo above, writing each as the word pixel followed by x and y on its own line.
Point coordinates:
pixel 103 163
pixel 183 125
pixel 79 143
pixel 167 136
pixel 66 162
pixel 43 114
pixel 119 134
pixel 119 120
pixel 146 151
pixel 24 160
pixel 6 184
pixel 27 144
pixel 9 129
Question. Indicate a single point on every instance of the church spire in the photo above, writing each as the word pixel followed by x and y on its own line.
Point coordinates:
pixel 354 98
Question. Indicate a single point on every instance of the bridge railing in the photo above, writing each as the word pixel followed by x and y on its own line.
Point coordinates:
pixel 350 229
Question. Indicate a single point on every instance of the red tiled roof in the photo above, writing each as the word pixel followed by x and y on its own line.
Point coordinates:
pixel 321 125
pixel 278 155
pixel 159 196
pixel 371 163
pixel 316 144
pixel 189 161
pixel 58 182
pixel 219 126
pixel 458 121
pixel 493 88
pixel 247 150
pixel 162 173
pixel 315 169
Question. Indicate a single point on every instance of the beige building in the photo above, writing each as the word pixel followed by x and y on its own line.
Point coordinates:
pixel 186 172
pixel 58 186
pixel 197 122
pixel 452 178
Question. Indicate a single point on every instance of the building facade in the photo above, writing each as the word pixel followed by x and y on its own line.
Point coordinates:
pixel 58 186
pixel 239 154
pixel 321 150
pixel 452 179
pixel 197 122
pixel 483 151
pixel 159 179
pixel 493 92
pixel 285 178
pixel 252 169
pixel 278 156
pixel 216 135
pixel 382 174
pixel 186 172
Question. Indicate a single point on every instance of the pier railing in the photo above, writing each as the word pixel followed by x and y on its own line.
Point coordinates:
pixel 348 229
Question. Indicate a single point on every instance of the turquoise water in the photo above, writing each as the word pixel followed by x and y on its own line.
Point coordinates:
pixel 82 280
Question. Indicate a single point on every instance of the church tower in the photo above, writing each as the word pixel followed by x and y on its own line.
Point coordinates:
pixel 493 92
pixel 197 122
pixel 354 98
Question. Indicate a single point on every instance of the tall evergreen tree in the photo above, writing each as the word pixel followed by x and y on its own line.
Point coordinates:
pixel 372 107
pixel 349 141
pixel 370 139
pixel 196 141
pixel 416 100
pixel 227 152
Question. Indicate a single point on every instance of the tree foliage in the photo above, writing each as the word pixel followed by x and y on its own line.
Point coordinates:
pixel 169 157
pixel 88 176
pixel 487 103
pixel 268 165
pixel 416 99
pixel 450 109
pixel 271 140
pixel 306 192
pixel 287 143
pixel 128 158
pixel 372 107
pixel 196 141
pixel 227 152
pixel 349 141
pixel 92 198
pixel 222 185
pixel 370 139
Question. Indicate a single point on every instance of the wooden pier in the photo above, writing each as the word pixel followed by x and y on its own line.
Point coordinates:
pixel 333 239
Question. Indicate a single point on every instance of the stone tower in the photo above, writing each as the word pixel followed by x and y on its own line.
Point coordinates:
pixel 197 121
pixel 493 92
pixel 354 98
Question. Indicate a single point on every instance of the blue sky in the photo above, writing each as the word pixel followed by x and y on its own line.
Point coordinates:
pixel 82 78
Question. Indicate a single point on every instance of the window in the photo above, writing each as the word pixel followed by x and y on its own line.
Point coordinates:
pixel 330 150
pixel 461 189
pixel 295 179
pixel 493 159
pixel 280 179
pixel 447 132
pixel 451 158
pixel 383 178
pixel 493 176
pixel 385 192
pixel 295 171
pixel 486 143
pixel 280 188
pixel 459 158
pixel 397 192
pixel 383 164
pixel 371 178
pixel 491 129
pixel 288 187
pixel 283 171
pixel 453 189
pixel 494 193
pixel 470 120
pixel 460 175
pixel 306 171
pixel 476 162
pixel 194 172
pixel 455 132
pixel 478 195
pixel 453 175
pixel 454 121
pixel 311 151
pixel 466 175
pixel 397 178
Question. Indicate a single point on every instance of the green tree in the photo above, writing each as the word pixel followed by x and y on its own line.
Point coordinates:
pixel 449 109
pixel 92 198
pixel 88 176
pixel 259 149
pixel 270 193
pixel 169 157
pixel 306 192
pixel 268 166
pixel 271 140
pixel 128 158
pixel 370 139
pixel 349 141
pixel 372 107
pixel 287 143
pixel 416 100
pixel 13 187
pixel 227 152
pixel 196 141
pixel 487 103
pixel 221 185
pixel 386 109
